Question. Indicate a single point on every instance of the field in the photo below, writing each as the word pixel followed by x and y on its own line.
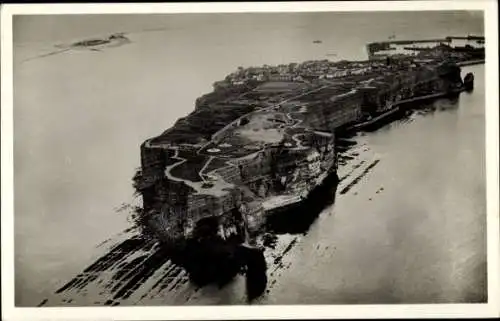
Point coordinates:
pixel 279 86
pixel 325 93
pixel 202 124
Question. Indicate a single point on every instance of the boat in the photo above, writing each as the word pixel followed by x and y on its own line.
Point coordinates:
pixel 317 41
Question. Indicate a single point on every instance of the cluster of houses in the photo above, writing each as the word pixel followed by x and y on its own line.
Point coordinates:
pixel 304 72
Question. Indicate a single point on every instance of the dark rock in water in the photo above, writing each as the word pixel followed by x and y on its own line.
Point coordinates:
pixel 256 277
pixel 217 262
pixel 469 81
pixel 211 261
pixel 42 303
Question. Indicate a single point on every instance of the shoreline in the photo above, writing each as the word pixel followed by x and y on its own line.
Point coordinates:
pixel 471 62
pixel 398 106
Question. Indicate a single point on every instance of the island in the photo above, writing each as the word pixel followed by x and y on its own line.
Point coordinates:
pixel 264 142
pixel 115 39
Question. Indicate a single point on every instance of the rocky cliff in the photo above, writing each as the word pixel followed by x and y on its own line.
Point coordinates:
pixel 237 190
pixel 249 149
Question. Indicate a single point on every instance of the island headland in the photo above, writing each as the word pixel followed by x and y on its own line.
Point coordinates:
pixel 260 151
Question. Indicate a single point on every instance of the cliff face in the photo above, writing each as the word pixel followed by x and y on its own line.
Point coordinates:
pixel 266 144
pixel 237 193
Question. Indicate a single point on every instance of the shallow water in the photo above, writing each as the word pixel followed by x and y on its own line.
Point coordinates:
pixel 80 116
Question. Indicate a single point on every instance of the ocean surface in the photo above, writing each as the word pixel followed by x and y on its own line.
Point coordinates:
pixel 413 230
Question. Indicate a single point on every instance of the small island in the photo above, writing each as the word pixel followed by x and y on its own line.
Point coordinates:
pixel 114 39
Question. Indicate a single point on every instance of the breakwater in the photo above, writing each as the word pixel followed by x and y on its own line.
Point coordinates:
pixel 458 49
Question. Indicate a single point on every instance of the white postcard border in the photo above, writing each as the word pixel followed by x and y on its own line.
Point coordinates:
pixel 9 312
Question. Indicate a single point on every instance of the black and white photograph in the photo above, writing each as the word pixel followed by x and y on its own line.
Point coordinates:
pixel 305 156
